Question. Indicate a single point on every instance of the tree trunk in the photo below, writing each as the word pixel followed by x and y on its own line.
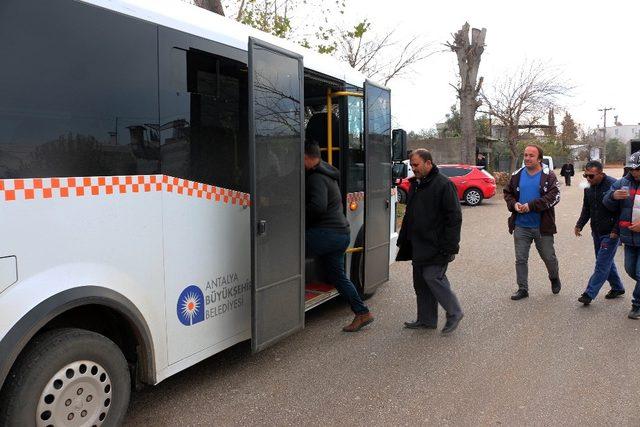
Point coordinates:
pixel 469 54
pixel 512 139
pixel 514 156
pixel 212 5
pixel 468 108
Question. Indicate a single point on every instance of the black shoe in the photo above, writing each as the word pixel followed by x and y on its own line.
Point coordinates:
pixel 585 299
pixel 634 313
pixel 520 293
pixel 614 294
pixel 417 325
pixel 452 324
pixel 556 286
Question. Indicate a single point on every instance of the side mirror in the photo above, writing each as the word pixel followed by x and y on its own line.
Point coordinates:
pixel 398 145
pixel 399 171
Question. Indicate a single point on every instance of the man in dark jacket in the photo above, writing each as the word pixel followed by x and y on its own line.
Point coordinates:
pixel 624 197
pixel 429 236
pixel 567 171
pixel 605 237
pixel 327 230
pixel 531 195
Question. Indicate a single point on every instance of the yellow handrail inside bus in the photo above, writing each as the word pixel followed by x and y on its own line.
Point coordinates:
pixel 354 250
pixel 330 119
pixel 329 128
pixel 346 93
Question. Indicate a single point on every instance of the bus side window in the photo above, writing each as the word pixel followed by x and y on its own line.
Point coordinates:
pixel 91 108
pixel 204 114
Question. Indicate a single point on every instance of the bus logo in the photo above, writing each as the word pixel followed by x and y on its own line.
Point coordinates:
pixel 190 307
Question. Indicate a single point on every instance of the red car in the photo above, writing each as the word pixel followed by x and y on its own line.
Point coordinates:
pixel 473 183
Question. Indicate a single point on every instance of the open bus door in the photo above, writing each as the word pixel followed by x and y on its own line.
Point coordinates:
pixel 277 192
pixel 377 143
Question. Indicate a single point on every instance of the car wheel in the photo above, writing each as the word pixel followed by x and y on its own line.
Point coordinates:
pixel 402 196
pixel 472 197
pixel 67 377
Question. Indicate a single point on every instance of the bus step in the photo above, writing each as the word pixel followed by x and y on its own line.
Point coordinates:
pixel 317 293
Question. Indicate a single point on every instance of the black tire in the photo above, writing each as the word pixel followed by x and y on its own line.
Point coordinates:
pixel 472 197
pixel 102 371
pixel 402 196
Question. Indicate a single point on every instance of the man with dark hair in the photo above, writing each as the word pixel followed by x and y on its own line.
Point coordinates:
pixel 430 237
pixel 603 231
pixel 567 171
pixel 327 230
pixel 623 197
pixel 531 195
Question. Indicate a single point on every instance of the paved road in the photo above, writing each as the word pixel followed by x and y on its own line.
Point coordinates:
pixel 543 360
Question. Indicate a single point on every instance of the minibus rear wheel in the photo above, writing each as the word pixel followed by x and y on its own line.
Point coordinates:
pixel 67 376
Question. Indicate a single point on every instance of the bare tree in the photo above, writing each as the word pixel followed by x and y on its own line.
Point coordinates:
pixel 380 56
pixel 212 5
pixel 469 54
pixel 523 98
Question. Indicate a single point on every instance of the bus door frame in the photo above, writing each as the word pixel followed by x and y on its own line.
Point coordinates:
pixel 377 194
pixel 277 305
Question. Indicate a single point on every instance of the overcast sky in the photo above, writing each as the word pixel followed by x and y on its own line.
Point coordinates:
pixel 595 45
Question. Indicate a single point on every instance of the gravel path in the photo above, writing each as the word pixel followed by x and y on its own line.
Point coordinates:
pixel 543 360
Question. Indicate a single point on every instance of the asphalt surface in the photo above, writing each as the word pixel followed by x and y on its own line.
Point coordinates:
pixel 545 360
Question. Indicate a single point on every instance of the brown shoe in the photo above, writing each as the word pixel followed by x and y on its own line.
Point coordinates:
pixel 359 322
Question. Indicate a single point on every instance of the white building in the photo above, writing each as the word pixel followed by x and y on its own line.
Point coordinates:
pixel 623 133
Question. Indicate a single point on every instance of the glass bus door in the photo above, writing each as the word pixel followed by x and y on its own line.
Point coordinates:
pixel 377 133
pixel 277 192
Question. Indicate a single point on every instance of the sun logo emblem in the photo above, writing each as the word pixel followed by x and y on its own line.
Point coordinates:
pixel 190 307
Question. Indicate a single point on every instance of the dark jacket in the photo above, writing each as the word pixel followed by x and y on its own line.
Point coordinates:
pixel 549 197
pixel 624 208
pixel 323 199
pixel 602 219
pixel 430 232
pixel 567 170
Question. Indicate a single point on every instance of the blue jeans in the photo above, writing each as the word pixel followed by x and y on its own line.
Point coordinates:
pixel 605 269
pixel 329 245
pixel 632 267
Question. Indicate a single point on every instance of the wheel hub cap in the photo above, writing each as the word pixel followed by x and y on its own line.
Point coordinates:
pixel 77 395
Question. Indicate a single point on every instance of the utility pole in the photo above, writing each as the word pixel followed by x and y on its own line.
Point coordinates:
pixel 604 134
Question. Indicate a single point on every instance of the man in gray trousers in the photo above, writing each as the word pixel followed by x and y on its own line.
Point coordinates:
pixel 430 237
pixel 531 195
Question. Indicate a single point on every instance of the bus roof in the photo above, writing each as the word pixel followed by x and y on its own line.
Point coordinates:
pixel 192 19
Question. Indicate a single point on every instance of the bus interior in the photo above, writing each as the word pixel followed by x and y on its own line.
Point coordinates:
pixel 323 97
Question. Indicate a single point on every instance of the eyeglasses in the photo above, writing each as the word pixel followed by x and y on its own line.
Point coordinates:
pixel 589 175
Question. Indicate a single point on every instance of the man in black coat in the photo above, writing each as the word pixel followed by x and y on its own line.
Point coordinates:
pixel 430 237
pixel 327 231
pixel 604 232
pixel 567 171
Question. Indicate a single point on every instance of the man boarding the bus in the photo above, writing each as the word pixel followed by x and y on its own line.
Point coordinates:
pixel 327 230
pixel 430 237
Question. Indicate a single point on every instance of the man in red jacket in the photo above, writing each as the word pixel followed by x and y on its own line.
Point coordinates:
pixel 531 194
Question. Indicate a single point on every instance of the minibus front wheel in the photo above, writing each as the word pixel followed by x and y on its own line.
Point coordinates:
pixel 67 376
